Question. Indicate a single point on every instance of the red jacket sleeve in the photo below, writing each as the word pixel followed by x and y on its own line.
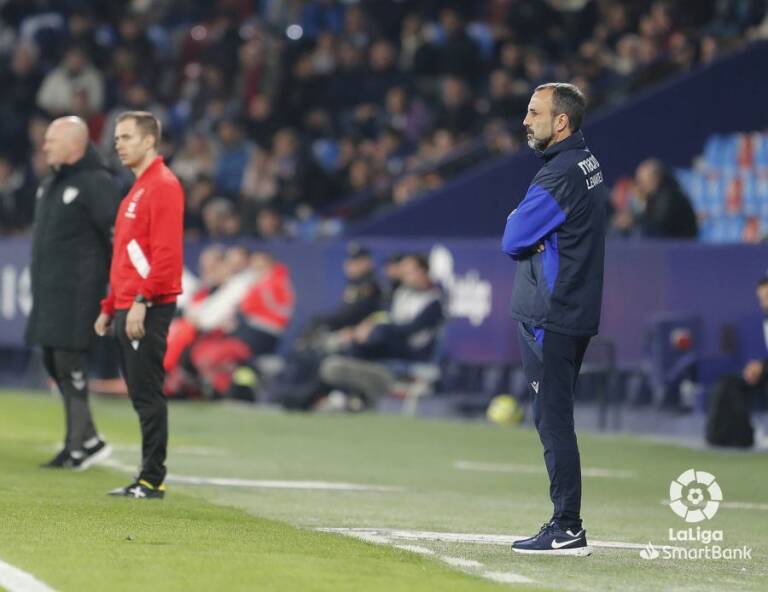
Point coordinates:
pixel 166 237
pixel 108 303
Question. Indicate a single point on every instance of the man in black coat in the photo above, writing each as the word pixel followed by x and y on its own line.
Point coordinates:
pixel 71 246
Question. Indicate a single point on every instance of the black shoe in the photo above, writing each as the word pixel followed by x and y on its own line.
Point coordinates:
pixel 140 490
pixel 59 461
pixel 553 540
pixel 93 454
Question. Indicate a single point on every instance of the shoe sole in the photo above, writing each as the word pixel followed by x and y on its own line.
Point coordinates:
pixel 577 552
pixel 100 456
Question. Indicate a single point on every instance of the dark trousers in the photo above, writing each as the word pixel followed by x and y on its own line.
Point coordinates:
pixel 69 369
pixel 551 362
pixel 144 374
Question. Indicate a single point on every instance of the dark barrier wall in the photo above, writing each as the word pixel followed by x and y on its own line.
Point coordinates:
pixel 671 122
pixel 642 279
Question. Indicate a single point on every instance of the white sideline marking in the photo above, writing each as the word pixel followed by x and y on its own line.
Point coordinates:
pixel 468 465
pixel 455 537
pixel 504 577
pixel 14 579
pixel 460 561
pixel 735 505
pixel 411 548
pixel 262 484
pixel 384 537
pixel 745 506
pixel 375 539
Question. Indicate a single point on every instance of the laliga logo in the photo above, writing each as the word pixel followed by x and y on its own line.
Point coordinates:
pixel 695 496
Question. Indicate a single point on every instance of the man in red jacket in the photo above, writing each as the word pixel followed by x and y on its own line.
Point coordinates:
pixel 145 279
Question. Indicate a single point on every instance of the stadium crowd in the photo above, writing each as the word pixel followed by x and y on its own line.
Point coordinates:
pixel 274 110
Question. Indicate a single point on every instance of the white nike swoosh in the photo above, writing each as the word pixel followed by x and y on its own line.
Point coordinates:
pixel 556 545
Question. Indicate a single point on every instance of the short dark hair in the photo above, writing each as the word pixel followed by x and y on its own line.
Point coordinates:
pixel 567 99
pixel 421 261
pixel 146 123
pixel 763 282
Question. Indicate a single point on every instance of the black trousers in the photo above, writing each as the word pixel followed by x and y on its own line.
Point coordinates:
pixel 144 374
pixel 551 362
pixel 69 369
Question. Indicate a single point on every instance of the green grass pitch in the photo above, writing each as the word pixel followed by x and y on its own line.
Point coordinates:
pixel 63 529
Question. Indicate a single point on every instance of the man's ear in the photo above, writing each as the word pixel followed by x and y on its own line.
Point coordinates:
pixel 561 122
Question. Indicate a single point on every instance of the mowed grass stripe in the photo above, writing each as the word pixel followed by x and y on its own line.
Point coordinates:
pixel 63 529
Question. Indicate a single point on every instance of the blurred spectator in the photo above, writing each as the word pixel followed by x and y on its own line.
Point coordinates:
pixel 401 113
pixel 392 277
pixel 183 331
pixel 733 398
pixel 361 296
pixel 260 319
pixel 457 54
pixel 270 225
pixel 196 158
pixel 331 331
pixel 383 73
pixel 20 80
pixel 261 122
pixel 75 74
pixel 755 372
pixel 198 195
pixel 17 197
pixel 234 153
pixel 293 171
pixel 457 114
pixel 220 218
pixel 665 211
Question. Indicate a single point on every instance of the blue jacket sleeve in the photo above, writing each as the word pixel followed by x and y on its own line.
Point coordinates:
pixel 537 216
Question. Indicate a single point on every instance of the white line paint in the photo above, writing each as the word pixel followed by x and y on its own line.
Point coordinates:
pixel 413 548
pixel 736 505
pixel 461 562
pixel 14 579
pixel 470 565
pixel 261 483
pixel 467 465
pixel 744 506
pixel 374 538
pixel 505 577
pixel 455 537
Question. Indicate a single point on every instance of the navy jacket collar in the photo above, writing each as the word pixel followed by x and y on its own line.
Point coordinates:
pixel 573 142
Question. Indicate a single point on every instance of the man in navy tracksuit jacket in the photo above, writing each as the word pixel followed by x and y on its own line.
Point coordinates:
pixel 557 237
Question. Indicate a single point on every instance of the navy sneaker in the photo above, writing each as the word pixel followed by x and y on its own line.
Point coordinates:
pixel 553 540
